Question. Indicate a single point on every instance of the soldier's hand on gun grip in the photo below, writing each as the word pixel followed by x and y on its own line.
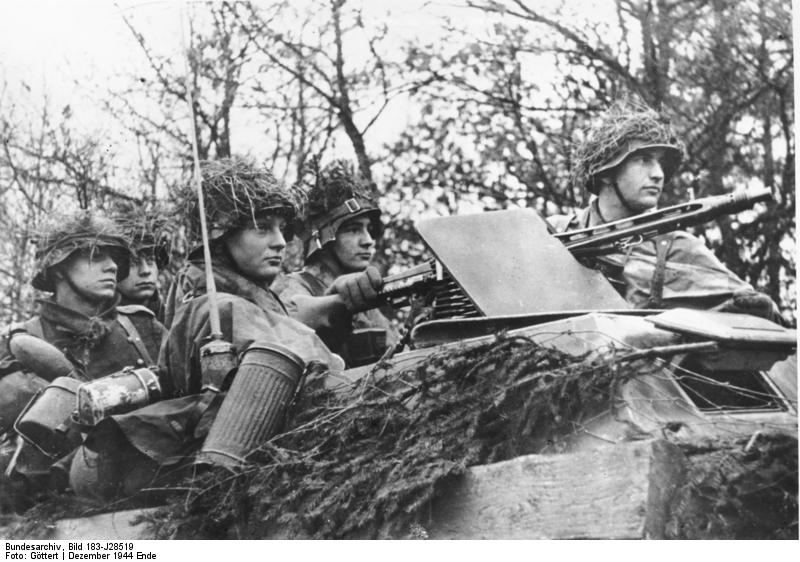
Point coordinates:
pixel 359 291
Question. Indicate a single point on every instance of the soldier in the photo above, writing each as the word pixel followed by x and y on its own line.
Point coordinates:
pixel 625 161
pixel 337 284
pixel 150 257
pixel 79 259
pixel 250 217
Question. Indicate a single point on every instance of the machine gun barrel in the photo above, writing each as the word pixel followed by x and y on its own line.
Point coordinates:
pixel 612 236
pixel 593 241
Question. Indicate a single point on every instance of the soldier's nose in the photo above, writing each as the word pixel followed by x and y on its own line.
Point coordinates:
pixel 277 240
pixel 656 171
pixel 109 264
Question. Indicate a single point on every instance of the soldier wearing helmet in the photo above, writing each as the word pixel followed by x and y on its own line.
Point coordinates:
pixel 624 162
pixel 150 255
pixel 79 259
pixel 337 287
pixel 250 218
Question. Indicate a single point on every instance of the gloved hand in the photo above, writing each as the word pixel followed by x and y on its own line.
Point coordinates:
pixel 754 303
pixel 359 291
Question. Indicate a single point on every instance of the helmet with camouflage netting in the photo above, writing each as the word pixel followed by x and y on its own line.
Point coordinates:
pixel 336 193
pixel 63 235
pixel 236 194
pixel 626 128
pixel 149 231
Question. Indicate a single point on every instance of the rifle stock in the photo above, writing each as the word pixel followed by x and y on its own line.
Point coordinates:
pixel 593 241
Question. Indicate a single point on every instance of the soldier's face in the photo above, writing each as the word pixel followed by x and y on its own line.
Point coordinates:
pixel 91 274
pixel 140 284
pixel 355 244
pixel 258 251
pixel 640 178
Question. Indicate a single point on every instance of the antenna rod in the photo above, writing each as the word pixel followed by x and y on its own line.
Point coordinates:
pixel 211 287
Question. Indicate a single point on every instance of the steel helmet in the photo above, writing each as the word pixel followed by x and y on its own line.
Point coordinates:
pixel 63 235
pixel 625 129
pixel 235 193
pixel 336 193
pixel 148 231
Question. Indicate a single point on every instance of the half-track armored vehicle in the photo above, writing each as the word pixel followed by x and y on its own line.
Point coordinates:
pixel 712 378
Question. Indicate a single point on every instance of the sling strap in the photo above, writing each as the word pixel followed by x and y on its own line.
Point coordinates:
pixel 134 338
pixel 663 246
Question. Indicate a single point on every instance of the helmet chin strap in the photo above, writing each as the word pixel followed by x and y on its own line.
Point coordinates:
pixel 329 256
pixel 622 199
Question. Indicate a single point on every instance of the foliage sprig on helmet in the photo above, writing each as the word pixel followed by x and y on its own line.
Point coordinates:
pixel 150 232
pixel 336 193
pixel 236 191
pixel 63 235
pixel 627 127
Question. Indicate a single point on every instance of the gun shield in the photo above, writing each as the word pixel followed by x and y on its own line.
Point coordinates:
pixel 255 406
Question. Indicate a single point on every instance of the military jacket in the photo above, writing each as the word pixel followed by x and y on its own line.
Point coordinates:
pixel 97 345
pixel 118 337
pixel 171 429
pixel 692 276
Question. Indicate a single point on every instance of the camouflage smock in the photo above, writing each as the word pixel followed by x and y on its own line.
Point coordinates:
pixel 169 430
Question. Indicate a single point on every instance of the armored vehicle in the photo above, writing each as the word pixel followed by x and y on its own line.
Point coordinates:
pixel 711 392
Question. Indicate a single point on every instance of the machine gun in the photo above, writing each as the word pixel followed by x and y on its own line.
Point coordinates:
pixel 616 236
pixel 432 279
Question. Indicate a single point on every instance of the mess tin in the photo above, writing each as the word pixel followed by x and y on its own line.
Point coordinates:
pixel 46 420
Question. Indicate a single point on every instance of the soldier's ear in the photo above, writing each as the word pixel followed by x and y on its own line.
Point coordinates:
pixel 603 182
pixel 55 275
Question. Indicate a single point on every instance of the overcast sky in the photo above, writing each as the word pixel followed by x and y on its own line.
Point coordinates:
pixel 75 51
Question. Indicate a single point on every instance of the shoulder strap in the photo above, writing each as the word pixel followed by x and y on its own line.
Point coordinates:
pixel 133 337
pixel 663 245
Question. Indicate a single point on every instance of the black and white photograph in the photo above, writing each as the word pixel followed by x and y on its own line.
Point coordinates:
pixel 419 270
